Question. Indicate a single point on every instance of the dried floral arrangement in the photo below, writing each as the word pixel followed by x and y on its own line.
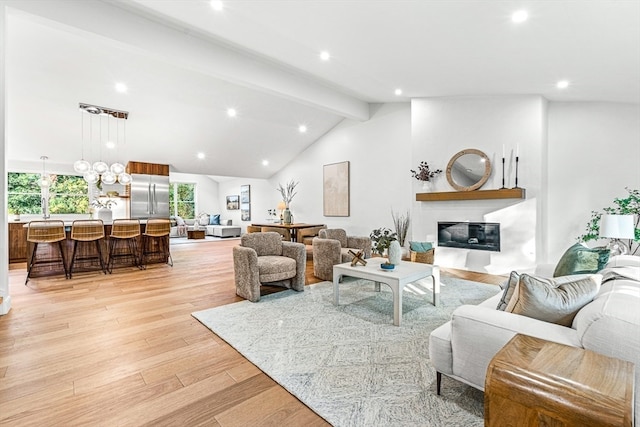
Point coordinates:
pixel 288 192
pixel 424 172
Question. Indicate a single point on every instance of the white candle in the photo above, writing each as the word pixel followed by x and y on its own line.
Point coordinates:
pixel 503 151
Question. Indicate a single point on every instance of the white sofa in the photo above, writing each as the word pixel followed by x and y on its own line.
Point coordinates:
pixel 610 324
pixel 225 229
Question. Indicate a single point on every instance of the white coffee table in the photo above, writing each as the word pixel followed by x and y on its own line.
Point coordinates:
pixel 406 272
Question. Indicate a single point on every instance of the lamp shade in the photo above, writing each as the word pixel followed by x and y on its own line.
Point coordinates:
pixel 617 226
pixel 282 206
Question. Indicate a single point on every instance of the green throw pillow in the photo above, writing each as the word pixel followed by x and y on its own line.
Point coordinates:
pixel 579 259
pixel 420 246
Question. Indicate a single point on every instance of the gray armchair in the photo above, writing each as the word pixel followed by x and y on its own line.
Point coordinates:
pixel 263 258
pixel 332 247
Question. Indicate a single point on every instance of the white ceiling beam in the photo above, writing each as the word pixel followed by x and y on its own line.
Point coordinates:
pixel 137 33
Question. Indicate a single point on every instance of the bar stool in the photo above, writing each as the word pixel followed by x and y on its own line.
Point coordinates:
pixel 124 231
pixel 156 236
pixel 47 232
pixel 87 231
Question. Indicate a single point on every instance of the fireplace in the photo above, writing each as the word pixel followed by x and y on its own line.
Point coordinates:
pixel 484 236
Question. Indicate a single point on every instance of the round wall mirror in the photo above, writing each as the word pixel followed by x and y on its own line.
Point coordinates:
pixel 468 170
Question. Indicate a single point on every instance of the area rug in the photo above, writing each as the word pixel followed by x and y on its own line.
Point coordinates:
pixel 184 240
pixel 349 363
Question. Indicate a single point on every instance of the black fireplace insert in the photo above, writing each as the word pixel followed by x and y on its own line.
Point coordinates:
pixel 484 236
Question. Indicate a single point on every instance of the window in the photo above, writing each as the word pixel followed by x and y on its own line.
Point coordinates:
pixel 68 194
pixel 182 199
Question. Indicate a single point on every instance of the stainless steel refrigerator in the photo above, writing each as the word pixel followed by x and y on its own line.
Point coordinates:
pixel 149 196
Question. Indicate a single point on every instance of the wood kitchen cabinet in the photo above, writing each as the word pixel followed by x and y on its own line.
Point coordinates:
pixel 147 168
pixel 17 242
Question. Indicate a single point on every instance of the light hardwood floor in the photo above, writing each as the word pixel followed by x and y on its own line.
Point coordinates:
pixel 123 349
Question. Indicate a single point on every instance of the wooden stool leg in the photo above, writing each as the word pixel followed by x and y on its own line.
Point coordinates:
pixel 73 258
pixel 99 249
pixel 64 261
pixel 112 245
pixel 33 255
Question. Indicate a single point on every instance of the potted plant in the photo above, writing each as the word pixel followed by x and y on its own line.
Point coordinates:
pixel 104 208
pixel 425 174
pixel 382 239
pixel 14 214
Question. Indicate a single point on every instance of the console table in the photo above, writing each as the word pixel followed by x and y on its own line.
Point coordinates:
pixel 533 382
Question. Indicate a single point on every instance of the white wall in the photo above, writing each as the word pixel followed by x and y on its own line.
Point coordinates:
pixel 594 153
pixel 261 192
pixel 5 306
pixel 378 152
pixel 207 200
pixel 441 127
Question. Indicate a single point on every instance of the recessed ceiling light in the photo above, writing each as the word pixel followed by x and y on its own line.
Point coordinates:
pixel 398 92
pixel 110 145
pixel 200 156
pixel 121 88
pixel 325 56
pixel 217 5
pixel 520 16
pixel 231 112
pixel 562 84
pixel 302 128
pixel 265 163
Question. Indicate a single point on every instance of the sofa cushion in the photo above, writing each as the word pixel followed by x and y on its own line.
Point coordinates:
pixel 579 259
pixel 553 300
pixel 509 287
pixel 624 261
pixel 214 219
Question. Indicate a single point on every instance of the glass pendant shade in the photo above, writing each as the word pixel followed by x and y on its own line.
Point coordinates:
pixel 108 177
pixel 82 166
pixel 91 177
pixel 117 168
pixel 100 167
pixel 124 178
pixel 44 181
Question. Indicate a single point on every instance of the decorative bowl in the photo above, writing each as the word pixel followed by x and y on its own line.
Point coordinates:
pixel 386 266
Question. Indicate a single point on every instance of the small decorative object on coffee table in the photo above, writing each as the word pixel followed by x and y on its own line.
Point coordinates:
pixel 358 258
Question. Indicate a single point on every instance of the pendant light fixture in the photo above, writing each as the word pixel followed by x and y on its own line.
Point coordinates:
pixel 45 179
pixel 100 170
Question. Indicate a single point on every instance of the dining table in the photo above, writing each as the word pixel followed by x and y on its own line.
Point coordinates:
pixel 293 227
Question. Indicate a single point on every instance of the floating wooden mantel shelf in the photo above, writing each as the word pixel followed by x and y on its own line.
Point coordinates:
pixel 507 193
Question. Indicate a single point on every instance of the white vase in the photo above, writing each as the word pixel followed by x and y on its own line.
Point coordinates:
pixel 106 215
pixel 395 252
pixel 427 186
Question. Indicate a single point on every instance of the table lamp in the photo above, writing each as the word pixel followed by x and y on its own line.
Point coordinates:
pixel 281 207
pixel 616 227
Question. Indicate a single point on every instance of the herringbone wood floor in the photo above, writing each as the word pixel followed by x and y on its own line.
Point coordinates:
pixel 123 349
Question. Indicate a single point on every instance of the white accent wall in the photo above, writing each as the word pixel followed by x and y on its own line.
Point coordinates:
pixel 574 158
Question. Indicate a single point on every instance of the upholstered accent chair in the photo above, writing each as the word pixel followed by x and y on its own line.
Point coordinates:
pixel 332 247
pixel 264 258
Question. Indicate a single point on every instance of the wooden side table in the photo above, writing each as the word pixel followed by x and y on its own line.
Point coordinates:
pixel 533 382
pixel 195 234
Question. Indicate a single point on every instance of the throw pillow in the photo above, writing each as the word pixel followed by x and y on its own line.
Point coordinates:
pixel 420 246
pixel 508 289
pixel 214 219
pixel 203 219
pixel 579 259
pixel 553 300
pixel 624 261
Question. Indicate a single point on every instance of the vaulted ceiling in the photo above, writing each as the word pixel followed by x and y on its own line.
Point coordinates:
pixel 185 64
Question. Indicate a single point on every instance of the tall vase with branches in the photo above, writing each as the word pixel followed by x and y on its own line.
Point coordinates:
pixel 401 223
pixel 287 192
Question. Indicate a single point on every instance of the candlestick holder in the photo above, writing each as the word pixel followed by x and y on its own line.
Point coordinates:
pixel 517 161
pixel 503 187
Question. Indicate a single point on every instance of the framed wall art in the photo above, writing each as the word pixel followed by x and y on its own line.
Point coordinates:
pixel 233 203
pixel 335 189
pixel 245 202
